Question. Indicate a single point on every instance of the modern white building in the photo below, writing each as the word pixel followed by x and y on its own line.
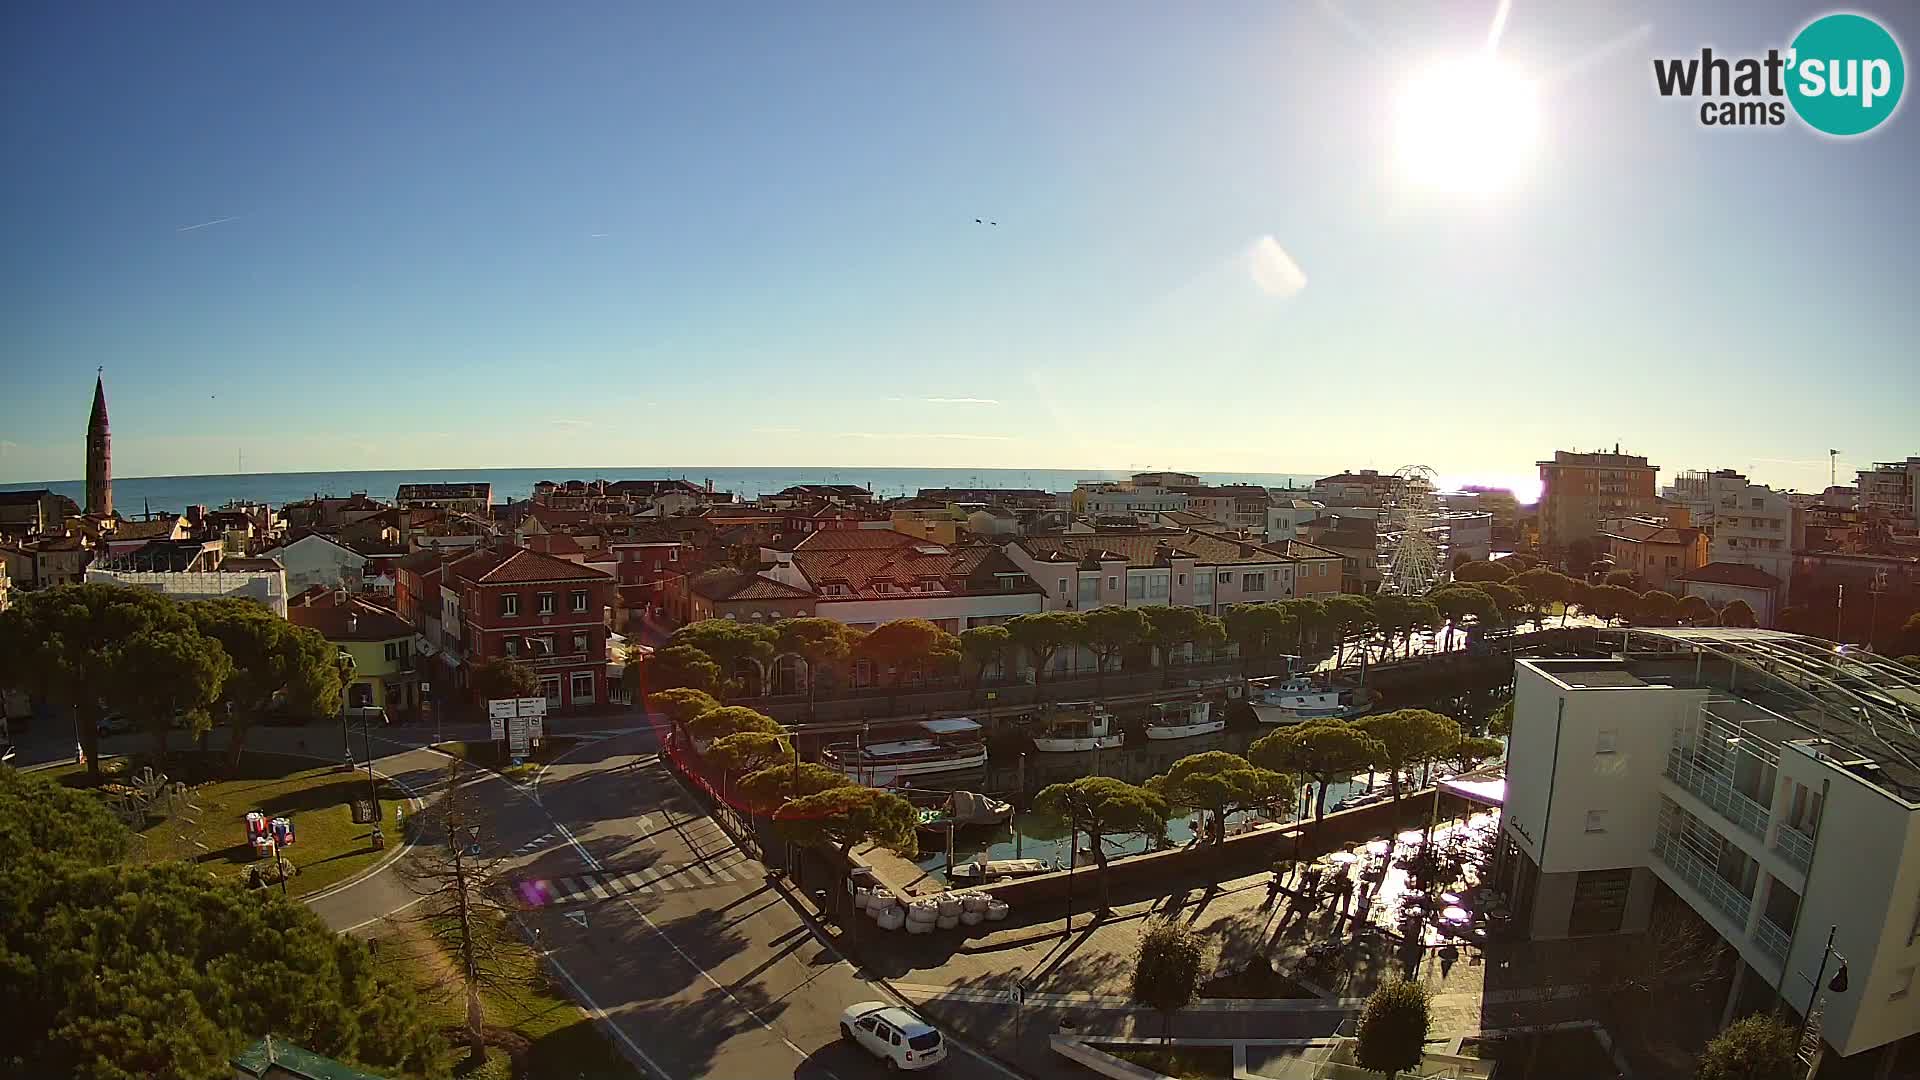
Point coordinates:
pixel 1704 492
pixel 1891 490
pixel 1770 781
pixel 1753 526
pixel 265 587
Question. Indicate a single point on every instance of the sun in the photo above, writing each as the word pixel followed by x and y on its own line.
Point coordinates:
pixel 1466 126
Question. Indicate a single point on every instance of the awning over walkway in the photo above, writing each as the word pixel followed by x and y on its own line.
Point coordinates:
pixel 1486 787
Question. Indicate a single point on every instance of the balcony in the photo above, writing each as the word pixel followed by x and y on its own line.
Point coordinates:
pixel 1771 939
pixel 1695 872
pixel 1794 846
pixel 1717 790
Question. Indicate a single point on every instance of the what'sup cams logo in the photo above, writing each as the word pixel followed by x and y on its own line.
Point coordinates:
pixel 1842 75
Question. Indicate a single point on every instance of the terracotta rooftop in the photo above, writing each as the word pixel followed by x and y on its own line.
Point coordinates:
pixel 1149 548
pixel 749 587
pixel 901 564
pixel 1726 573
pixel 352 619
pixel 517 566
pixel 1642 533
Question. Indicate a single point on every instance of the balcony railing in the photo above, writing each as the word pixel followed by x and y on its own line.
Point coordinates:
pixel 1794 846
pixel 1694 871
pixel 1717 791
pixel 1771 939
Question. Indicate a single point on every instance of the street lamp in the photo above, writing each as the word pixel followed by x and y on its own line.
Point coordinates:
pixel 373 789
pixel 1838 985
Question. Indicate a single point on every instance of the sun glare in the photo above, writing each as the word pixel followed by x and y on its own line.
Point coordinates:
pixel 1466 126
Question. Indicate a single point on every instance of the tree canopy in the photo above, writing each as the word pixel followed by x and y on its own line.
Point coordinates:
pixel 1737 613
pixel 1259 631
pixel 908 645
pixel 1042 635
pixel 1326 750
pixel 1167 967
pixel 1656 607
pixel 1757 1047
pixel 1393 1027
pixel 736 647
pixel 1107 631
pixel 122 971
pixel 1482 571
pixel 274 661
pixel 1350 616
pixel 40 816
pixel 745 751
pixel 684 667
pixel 1508 602
pixel 1694 611
pixel 1101 806
pixel 845 817
pixel 1220 782
pixel 1542 589
pixel 164 675
pixel 1168 628
pixel 1610 602
pixel 1409 737
pixel 767 788
pixel 504 677
pixel 716 724
pixel 984 646
pixel 64 645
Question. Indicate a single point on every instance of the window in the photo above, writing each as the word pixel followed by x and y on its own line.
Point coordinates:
pixel 1226 577
pixel 1113 584
pixel 1759 504
pixel 1254 582
pixel 393 650
pixel 580 639
pixel 582 687
pixel 1596 821
pixel 543 603
pixel 509 604
pixel 1180 579
pixel 1136 586
pixel 511 645
pixel 1605 743
pixel 1323 570
pixel 673 555
pixel 579 600
pixel 1060 588
pixel 550 688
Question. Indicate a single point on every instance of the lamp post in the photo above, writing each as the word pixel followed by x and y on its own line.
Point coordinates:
pixel 373 789
pixel 1816 1004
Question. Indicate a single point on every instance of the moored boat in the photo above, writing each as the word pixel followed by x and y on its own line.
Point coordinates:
pixel 1077 726
pixel 1182 719
pixel 951 745
pixel 1299 698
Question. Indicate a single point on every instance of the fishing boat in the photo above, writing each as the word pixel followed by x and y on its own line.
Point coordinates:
pixel 950 745
pixel 965 809
pixel 1077 725
pixel 1182 719
pixel 982 871
pixel 1298 698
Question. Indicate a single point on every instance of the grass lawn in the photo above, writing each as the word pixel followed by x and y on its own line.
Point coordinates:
pixel 1186 1062
pixel 1559 1053
pixel 537 1027
pixel 328 846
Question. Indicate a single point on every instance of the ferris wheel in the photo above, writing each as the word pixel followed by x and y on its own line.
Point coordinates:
pixel 1409 558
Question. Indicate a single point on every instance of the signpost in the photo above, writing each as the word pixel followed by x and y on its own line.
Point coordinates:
pixel 520 722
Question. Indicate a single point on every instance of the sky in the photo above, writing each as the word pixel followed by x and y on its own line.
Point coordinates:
pixel 359 236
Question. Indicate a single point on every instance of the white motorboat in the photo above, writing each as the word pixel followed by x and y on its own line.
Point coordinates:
pixel 1077 725
pixel 951 745
pixel 1297 699
pixel 1182 719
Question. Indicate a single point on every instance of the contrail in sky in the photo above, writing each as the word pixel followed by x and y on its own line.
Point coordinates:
pixel 204 224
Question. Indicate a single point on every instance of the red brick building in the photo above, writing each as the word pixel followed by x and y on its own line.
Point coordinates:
pixel 546 612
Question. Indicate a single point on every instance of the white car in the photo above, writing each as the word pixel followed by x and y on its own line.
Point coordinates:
pixel 893 1034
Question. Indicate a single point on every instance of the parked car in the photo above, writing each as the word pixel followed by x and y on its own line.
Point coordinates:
pixel 893 1034
pixel 115 724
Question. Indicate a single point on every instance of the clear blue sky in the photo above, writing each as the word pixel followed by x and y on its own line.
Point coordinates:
pixel 496 235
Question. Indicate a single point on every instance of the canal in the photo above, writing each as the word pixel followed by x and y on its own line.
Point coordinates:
pixel 1008 777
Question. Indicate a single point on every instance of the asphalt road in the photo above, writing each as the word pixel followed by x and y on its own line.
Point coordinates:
pixel 698 964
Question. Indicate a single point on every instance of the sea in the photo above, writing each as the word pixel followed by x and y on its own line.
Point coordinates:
pixel 134 494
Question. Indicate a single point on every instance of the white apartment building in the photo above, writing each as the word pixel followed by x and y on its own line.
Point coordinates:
pixel 268 588
pixel 1770 781
pixel 1703 492
pixel 1753 526
pixel 1891 489
pixel 1287 517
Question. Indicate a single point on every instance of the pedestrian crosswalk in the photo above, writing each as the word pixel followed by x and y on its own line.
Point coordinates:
pixel 607 885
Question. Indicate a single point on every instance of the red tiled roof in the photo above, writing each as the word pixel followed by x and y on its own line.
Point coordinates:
pixel 1726 573
pixel 903 563
pixel 352 620
pixel 749 587
pixel 1145 548
pixel 556 544
pixel 1641 533
pixel 520 566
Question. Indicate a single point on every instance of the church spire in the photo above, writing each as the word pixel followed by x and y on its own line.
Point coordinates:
pixel 99 453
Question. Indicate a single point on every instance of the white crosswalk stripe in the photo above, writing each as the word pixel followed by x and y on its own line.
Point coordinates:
pixel 654 880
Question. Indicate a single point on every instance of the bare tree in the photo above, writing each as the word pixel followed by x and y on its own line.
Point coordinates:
pixel 464 906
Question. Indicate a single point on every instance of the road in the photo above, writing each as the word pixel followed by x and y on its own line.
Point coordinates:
pixel 696 961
